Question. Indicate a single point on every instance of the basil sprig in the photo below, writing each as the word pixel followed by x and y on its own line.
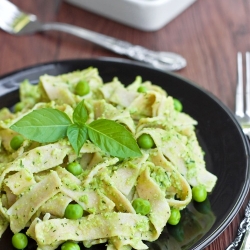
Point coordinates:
pixel 49 125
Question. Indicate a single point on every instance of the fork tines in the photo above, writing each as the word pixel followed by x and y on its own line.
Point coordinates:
pixel 239 105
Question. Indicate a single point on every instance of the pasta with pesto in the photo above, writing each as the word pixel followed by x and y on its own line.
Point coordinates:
pixel 36 187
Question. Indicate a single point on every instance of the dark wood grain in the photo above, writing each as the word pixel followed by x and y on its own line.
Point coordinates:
pixel 208 34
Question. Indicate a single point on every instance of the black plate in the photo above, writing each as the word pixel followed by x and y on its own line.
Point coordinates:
pixel 226 147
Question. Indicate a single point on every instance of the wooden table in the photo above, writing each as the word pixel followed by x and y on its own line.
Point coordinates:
pixel 208 34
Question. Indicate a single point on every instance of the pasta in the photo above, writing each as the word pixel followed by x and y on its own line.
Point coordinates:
pixel 36 187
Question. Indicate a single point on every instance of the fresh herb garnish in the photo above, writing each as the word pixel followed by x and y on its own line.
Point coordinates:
pixel 48 125
pixel 77 135
pixel 43 125
pixel 113 138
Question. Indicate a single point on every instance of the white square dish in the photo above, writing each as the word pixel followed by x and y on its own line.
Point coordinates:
pixel 147 15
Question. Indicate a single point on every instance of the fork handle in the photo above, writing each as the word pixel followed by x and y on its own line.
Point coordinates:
pixel 163 60
pixel 242 239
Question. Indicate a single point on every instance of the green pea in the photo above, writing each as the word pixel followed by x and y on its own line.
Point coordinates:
pixel 141 206
pixel 142 89
pixel 18 107
pixel 145 141
pixel 19 241
pixel 177 105
pixel 199 193
pixel 16 142
pixel 70 246
pixel 73 211
pixel 74 168
pixel 82 88
pixel 175 216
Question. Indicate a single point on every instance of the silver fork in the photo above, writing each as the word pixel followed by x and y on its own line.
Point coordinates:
pixel 17 22
pixel 243 115
pixel 242 240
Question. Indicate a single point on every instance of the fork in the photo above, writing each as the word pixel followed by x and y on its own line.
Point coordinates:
pixel 243 116
pixel 17 22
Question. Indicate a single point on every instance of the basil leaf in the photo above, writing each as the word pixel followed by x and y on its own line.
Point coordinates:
pixel 77 135
pixel 80 114
pixel 113 138
pixel 43 125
